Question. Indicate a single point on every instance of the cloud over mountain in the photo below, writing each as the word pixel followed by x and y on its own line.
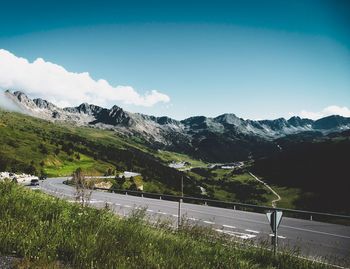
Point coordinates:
pixel 54 83
pixel 328 111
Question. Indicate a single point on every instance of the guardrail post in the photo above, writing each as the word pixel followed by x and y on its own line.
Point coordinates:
pixel 311 217
pixel 126 193
pixel 275 233
pixel 234 207
pixel 205 203
pixel 142 195
pixel 179 214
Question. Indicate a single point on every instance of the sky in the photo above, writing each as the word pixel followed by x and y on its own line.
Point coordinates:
pixel 256 59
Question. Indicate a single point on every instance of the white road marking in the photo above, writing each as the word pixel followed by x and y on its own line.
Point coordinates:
pixel 208 222
pixel 175 215
pixel 194 219
pixel 247 236
pixel 149 210
pixel 237 234
pixel 314 231
pixel 252 231
pixel 127 205
pixel 279 236
pixel 229 226
pixel 96 201
pixel 35 188
pixel 162 213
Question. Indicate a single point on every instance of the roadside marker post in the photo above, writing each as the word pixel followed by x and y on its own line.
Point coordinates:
pixel 179 214
pixel 180 201
pixel 274 219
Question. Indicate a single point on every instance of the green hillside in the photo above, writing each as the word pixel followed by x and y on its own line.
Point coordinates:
pixel 301 173
pixel 316 166
pixel 38 147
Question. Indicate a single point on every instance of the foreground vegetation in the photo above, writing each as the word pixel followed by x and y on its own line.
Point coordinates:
pixel 46 232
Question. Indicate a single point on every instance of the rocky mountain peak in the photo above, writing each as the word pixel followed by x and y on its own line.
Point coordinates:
pixel 334 121
pixel 85 108
pixel 276 124
pixel 43 104
pixel 116 108
pixel 20 95
pixel 228 118
pixel 168 131
pixel 296 121
pixel 166 120
pixel 22 99
pixel 194 120
pixel 118 113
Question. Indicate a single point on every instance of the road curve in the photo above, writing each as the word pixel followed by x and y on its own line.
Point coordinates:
pixel 313 239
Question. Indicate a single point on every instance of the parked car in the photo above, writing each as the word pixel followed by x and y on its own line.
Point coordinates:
pixel 34 182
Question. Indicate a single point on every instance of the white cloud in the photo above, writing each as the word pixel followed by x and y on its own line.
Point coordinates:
pixel 5 104
pixel 54 83
pixel 328 111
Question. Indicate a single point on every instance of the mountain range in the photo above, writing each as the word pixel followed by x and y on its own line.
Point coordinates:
pixel 223 138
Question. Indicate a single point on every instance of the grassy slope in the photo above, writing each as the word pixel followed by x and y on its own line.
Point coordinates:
pixel 56 167
pixel 289 196
pixel 228 185
pixel 22 135
pixel 168 157
pixel 44 230
pixel 27 142
pixel 23 138
pixel 316 171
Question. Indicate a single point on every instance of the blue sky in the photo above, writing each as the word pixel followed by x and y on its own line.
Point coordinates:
pixel 257 59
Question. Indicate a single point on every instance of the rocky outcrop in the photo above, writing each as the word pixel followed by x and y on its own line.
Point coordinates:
pixel 190 134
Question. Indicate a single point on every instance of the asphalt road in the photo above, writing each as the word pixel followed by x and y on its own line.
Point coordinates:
pixel 313 239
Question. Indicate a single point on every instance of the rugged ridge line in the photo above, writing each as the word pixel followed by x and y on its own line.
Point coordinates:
pixel 192 135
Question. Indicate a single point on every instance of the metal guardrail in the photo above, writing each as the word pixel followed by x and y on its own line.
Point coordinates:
pixel 233 205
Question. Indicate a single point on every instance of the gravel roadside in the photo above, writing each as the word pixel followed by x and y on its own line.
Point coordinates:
pixel 8 262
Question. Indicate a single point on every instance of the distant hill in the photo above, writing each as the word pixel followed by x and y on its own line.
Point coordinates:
pixel 318 165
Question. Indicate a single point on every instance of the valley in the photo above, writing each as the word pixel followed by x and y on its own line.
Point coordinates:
pixel 58 148
pixel 45 140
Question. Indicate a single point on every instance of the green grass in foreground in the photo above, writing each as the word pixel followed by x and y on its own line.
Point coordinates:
pixel 46 231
